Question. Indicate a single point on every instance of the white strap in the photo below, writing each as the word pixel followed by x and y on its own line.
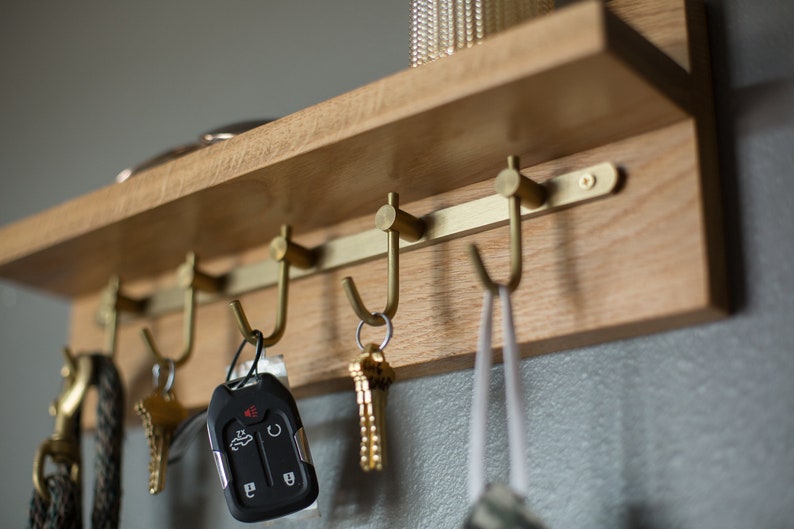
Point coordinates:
pixel 479 408
pixel 515 417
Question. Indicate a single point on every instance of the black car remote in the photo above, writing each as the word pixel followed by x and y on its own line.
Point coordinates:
pixel 260 449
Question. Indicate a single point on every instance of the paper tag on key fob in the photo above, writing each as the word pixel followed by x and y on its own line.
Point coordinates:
pixel 260 450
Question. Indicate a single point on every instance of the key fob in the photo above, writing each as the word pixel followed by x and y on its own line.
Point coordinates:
pixel 260 450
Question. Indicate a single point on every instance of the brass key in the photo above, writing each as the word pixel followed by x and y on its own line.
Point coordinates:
pixel 161 413
pixel 365 412
pixel 372 375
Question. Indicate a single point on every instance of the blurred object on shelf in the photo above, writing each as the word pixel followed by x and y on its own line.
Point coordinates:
pixel 207 138
pixel 440 27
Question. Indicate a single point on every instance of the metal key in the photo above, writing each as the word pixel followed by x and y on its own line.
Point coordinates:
pixel 364 401
pixel 161 413
pixel 372 375
pixel 380 376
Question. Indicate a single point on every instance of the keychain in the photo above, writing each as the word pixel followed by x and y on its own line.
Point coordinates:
pixel 161 414
pixel 259 445
pixel 372 376
pixel 497 506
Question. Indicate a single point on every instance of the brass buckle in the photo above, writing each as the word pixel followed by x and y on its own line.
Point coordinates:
pixel 63 447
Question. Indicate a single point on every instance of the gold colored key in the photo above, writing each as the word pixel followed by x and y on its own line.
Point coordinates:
pixel 368 427
pixel 372 375
pixel 161 413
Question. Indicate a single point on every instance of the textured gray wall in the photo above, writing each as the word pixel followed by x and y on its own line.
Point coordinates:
pixel 687 429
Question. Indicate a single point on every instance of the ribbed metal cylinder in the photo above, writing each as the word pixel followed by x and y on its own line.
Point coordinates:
pixel 440 27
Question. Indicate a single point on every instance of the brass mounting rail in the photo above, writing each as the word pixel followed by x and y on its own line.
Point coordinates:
pixel 449 223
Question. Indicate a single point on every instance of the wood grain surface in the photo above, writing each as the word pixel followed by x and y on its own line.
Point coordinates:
pixel 551 87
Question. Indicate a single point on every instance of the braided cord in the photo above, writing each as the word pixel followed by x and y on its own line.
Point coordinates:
pixel 63 510
pixel 110 431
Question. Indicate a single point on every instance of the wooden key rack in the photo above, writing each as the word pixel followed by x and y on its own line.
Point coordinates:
pixel 625 83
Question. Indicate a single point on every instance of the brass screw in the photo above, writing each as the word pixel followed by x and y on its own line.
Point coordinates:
pixel 587 181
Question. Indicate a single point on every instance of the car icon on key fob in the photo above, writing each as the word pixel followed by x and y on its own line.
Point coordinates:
pixel 240 440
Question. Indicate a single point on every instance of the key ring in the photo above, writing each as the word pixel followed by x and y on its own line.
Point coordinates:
pixel 254 371
pixel 169 382
pixel 389 331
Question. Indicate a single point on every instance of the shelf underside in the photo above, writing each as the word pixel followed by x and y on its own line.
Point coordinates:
pixel 562 84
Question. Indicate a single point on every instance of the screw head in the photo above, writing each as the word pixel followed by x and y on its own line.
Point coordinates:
pixel 587 181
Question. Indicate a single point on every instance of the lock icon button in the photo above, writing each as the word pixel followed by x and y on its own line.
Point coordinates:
pixel 250 489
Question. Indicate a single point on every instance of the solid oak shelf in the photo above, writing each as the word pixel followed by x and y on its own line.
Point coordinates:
pixel 558 85
pixel 566 91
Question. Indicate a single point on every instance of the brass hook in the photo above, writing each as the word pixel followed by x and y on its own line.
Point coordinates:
pixel 287 253
pixel 519 190
pixel 398 225
pixel 64 444
pixel 113 302
pixel 191 279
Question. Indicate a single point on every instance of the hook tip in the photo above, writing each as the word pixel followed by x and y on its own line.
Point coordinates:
pixel 474 252
pixel 243 325
pixel 148 339
pixel 479 268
